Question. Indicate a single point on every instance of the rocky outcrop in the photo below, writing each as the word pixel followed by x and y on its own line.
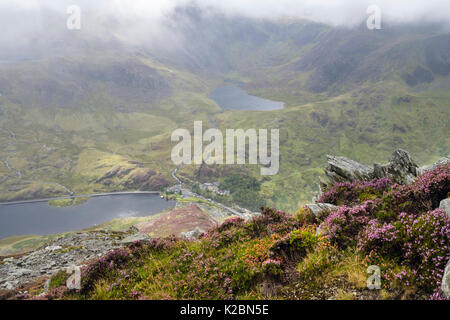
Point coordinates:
pixel 317 208
pixel 401 168
pixel 65 251
pixel 440 162
pixel 135 237
pixel 193 234
pixel 341 169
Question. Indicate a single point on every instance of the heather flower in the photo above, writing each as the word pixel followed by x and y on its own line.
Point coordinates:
pixel 230 222
pixel 272 267
pixel 343 225
pixel 356 192
pixel 424 194
pixel 419 242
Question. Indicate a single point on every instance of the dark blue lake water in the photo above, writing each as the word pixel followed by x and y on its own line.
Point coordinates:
pixel 40 218
pixel 231 97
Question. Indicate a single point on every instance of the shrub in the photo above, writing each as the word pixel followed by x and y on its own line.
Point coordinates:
pixel 343 225
pixel 317 262
pixel 246 260
pixel 350 193
pixel 233 259
pixel 420 243
pixel 199 276
pixel 232 230
pixel 231 222
pixel 296 244
pixel 227 237
pixel 96 270
pixel 424 194
pixel 272 267
pixel 270 221
pixel 57 293
pixel 155 244
pixel 305 216
pixel 235 229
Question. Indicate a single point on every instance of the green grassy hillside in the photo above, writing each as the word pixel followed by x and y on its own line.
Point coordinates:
pixel 99 117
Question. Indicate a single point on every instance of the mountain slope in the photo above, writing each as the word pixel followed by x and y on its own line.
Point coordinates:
pixel 108 100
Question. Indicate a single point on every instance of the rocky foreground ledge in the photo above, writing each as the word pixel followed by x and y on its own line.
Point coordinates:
pixel 82 248
pixel 68 250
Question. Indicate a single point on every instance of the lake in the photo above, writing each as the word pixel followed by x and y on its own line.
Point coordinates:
pixel 234 98
pixel 40 218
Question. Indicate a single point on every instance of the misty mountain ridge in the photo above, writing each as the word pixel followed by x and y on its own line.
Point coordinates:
pixel 108 92
pixel 204 43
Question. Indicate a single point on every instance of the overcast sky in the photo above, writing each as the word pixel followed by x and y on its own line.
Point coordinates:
pixel 22 20
pixel 329 11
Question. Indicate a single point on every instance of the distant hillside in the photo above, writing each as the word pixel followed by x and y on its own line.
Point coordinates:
pixel 80 105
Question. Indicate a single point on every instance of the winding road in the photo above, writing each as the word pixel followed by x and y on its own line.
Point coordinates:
pixel 242 213
pixel 80 196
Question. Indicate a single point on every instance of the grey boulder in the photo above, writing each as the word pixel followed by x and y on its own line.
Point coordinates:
pixel 400 168
pixel 320 207
pixel 440 162
pixel 193 234
pixel 134 238
pixel 341 169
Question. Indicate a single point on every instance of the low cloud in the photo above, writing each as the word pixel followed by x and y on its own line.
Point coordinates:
pixel 25 21
pixel 336 12
pixel 328 11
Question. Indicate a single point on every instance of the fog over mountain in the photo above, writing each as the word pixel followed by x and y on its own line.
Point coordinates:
pixel 28 17
pixel 328 11
pixel 31 27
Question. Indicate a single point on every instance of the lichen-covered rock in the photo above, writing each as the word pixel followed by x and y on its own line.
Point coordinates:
pixel 401 169
pixel 134 238
pixel 440 162
pixel 193 234
pixel 60 253
pixel 317 208
pixel 341 169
